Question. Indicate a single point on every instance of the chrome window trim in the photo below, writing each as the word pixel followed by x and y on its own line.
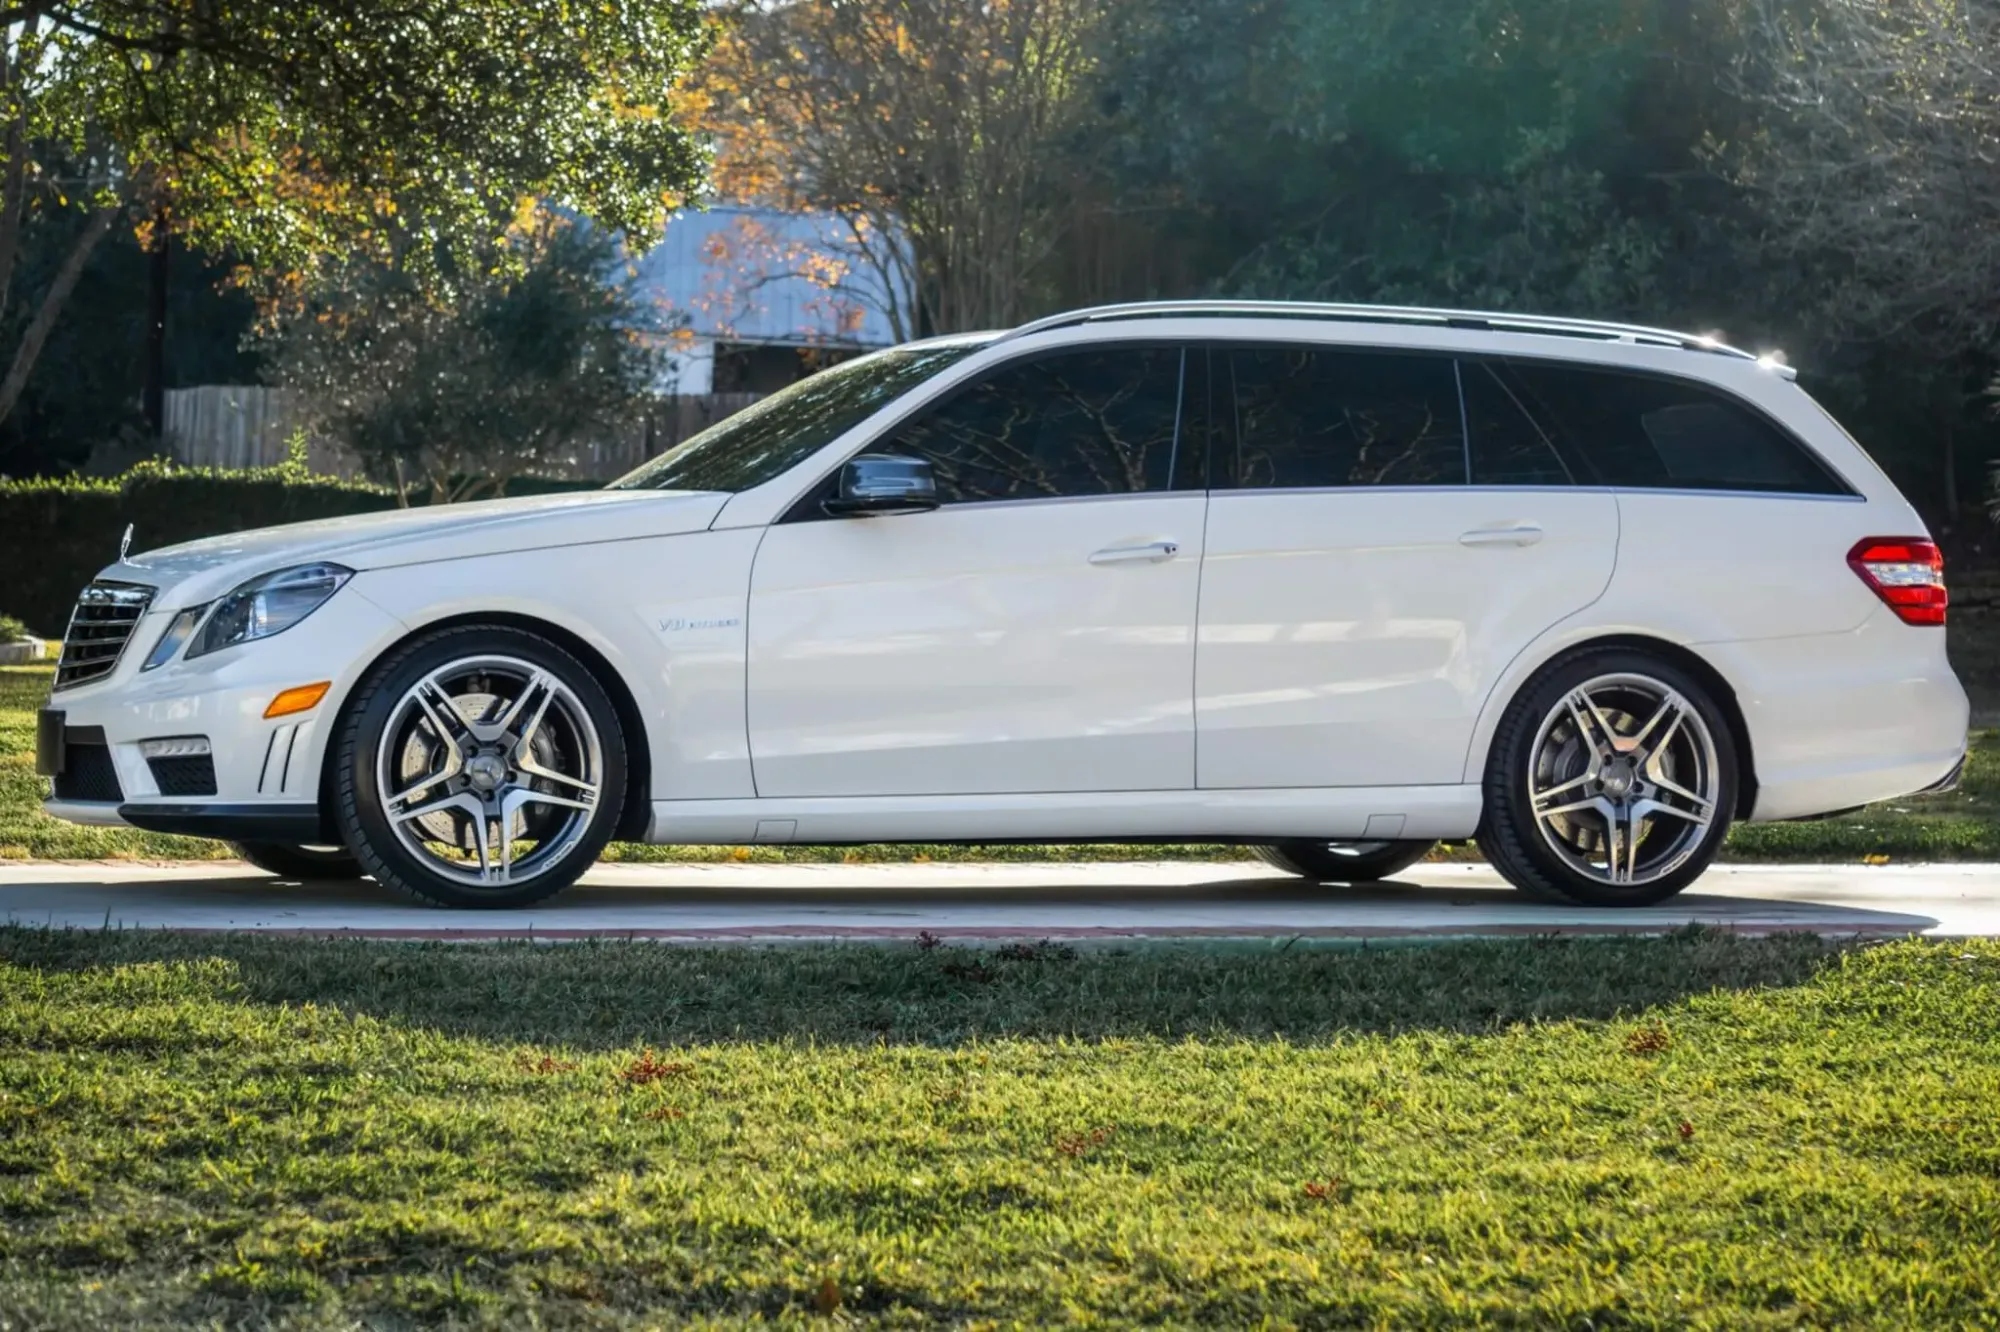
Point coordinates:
pixel 1043 501
pixel 1684 491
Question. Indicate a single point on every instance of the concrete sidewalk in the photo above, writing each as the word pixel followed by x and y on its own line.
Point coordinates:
pixel 713 903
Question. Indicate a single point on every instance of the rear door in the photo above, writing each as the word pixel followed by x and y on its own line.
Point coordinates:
pixel 1388 531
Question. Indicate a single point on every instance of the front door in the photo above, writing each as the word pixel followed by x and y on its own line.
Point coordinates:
pixel 1034 634
pixel 1388 533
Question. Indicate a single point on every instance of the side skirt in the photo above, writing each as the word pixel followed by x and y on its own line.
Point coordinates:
pixel 1413 813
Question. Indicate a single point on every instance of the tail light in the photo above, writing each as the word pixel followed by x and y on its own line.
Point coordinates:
pixel 1907 573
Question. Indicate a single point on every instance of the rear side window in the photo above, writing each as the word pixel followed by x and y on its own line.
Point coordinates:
pixel 1098 422
pixel 1317 416
pixel 1656 433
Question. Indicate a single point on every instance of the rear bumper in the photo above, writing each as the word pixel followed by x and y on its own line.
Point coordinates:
pixel 1841 721
pixel 1948 783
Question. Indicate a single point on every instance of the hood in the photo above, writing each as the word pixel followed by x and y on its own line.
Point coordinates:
pixel 198 571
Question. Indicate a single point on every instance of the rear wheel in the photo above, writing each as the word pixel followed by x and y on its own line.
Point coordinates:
pixel 306 863
pixel 1611 782
pixel 1343 862
pixel 479 767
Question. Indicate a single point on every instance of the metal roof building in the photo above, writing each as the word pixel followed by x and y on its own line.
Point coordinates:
pixel 760 296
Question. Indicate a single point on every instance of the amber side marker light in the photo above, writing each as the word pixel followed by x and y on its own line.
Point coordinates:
pixel 299 698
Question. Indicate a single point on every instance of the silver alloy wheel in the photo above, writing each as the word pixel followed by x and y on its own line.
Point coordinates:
pixel 490 769
pixel 1624 779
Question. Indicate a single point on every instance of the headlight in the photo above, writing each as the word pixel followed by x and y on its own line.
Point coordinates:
pixel 177 634
pixel 268 605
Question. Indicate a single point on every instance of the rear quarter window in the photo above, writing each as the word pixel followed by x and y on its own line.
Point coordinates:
pixel 1654 432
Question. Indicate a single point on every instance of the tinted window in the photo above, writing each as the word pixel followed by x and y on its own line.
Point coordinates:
pixel 1508 448
pixel 1315 416
pixel 1100 422
pixel 771 436
pixel 1653 432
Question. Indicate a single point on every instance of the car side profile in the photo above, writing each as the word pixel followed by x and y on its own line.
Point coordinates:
pixel 1333 582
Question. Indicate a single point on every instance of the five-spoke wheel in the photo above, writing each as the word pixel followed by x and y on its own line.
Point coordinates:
pixel 480 767
pixel 1611 781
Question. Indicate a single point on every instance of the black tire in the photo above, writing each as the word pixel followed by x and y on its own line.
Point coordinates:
pixel 1524 849
pixel 1343 862
pixel 308 864
pixel 358 800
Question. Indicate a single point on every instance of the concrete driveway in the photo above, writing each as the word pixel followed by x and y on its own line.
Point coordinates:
pixel 711 903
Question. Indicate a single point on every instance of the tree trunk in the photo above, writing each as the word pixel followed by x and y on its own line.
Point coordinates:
pixel 13 179
pixel 53 301
pixel 159 269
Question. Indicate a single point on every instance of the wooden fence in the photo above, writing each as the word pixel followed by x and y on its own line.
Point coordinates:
pixel 231 426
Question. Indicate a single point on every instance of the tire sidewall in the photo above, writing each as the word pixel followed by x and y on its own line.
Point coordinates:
pixel 1510 822
pixel 307 864
pixel 358 803
pixel 1315 862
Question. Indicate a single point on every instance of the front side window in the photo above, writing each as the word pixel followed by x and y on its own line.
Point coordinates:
pixel 775 434
pixel 1318 416
pixel 1096 422
pixel 1652 432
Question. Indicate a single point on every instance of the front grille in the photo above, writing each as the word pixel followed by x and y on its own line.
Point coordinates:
pixel 105 616
pixel 188 775
pixel 88 774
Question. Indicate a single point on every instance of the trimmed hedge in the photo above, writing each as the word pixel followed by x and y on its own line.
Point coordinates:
pixel 56 534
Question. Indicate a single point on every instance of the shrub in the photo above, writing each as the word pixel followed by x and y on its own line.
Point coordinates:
pixel 55 535
pixel 12 630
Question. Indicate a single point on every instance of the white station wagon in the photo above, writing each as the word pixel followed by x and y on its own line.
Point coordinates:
pixel 1332 582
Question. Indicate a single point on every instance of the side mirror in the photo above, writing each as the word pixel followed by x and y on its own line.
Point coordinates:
pixel 881 483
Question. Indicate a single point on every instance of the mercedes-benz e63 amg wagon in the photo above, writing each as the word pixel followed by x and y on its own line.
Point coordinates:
pixel 1334 582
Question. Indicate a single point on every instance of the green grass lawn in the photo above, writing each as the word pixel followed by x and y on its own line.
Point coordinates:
pixel 1697 1131
pixel 1964 825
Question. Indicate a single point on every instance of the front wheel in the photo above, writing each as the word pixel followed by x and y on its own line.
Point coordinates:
pixel 1343 862
pixel 479 766
pixel 1610 783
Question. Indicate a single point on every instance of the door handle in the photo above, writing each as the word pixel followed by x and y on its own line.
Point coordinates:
pixel 1153 552
pixel 1520 534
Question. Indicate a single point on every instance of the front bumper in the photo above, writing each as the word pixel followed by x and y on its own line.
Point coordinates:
pixel 265 771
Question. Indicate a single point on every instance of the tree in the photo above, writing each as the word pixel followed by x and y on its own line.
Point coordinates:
pixel 90 391
pixel 504 373
pixel 287 131
pixel 1469 152
pixel 932 129
pixel 1877 165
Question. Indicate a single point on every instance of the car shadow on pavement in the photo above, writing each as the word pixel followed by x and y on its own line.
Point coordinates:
pixel 742 901
pixel 932 988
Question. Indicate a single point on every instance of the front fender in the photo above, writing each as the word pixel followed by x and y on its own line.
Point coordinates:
pixel 667 614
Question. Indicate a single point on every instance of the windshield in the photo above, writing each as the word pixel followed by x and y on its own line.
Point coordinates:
pixel 777 433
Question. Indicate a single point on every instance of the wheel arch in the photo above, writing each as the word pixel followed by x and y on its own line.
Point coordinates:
pixel 636 815
pixel 1524 676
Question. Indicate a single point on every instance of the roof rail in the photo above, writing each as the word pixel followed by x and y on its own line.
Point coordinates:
pixel 1387 314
